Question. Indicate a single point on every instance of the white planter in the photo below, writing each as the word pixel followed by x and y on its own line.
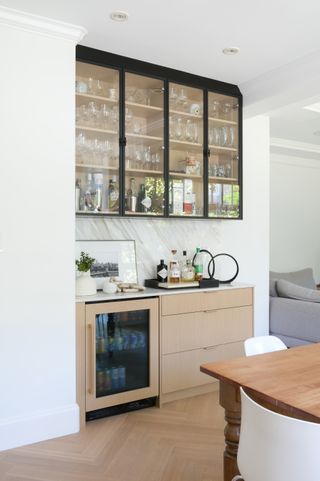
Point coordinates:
pixel 85 285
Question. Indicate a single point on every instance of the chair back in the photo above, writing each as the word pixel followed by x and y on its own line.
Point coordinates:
pixel 263 344
pixel 274 447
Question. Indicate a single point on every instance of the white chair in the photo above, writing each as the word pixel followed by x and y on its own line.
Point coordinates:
pixel 274 447
pixel 263 344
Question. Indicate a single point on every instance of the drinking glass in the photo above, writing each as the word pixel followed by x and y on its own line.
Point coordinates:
pixel 179 129
pixel 230 137
pixel 223 136
pixel 147 157
pixel 182 99
pixel 226 110
pixel 214 109
pixel 104 116
pixel 173 95
pixel 93 114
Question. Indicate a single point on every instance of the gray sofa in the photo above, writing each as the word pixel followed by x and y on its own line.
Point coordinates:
pixel 294 307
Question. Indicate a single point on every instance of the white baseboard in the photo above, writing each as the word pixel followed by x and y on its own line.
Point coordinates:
pixel 22 430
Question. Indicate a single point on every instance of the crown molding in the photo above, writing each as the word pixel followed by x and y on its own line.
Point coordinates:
pixel 294 145
pixel 40 25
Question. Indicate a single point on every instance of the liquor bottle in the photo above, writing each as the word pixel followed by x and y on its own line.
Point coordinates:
pixel 162 272
pixel 141 196
pixel 111 327
pixel 187 269
pixel 78 195
pixel 113 194
pixel 98 182
pixel 89 194
pixel 174 268
pixel 132 196
pixel 198 265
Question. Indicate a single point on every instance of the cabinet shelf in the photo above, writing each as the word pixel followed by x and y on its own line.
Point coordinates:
pixel 96 129
pixel 185 114
pixel 186 176
pixel 96 97
pixel 144 110
pixel 145 171
pixel 218 147
pixel 223 180
pixel 96 166
pixel 222 121
pixel 149 138
pixel 181 143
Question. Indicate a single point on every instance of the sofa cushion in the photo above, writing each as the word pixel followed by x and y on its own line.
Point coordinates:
pixel 303 278
pixel 293 291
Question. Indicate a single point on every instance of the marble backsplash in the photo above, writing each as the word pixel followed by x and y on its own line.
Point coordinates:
pixel 154 238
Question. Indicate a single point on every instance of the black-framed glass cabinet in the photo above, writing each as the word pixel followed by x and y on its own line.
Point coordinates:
pixel 155 142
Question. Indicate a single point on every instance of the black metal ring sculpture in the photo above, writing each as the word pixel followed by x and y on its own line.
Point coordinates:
pixel 211 262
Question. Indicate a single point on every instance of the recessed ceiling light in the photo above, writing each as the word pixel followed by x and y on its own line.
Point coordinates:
pixel 231 50
pixel 119 16
pixel 317 132
pixel 313 107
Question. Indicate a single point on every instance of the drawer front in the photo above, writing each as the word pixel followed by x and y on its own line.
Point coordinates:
pixel 227 298
pixel 183 332
pixel 182 370
pixel 181 303
pixel 205 300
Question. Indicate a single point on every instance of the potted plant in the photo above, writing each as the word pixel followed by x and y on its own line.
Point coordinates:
pixel 85 284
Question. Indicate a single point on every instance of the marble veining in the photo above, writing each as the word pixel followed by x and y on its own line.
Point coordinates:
pixel 154 238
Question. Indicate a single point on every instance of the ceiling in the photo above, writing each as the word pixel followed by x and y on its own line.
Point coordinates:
pixel 189 35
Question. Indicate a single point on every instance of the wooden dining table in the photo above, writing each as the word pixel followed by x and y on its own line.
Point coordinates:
pixel 287 382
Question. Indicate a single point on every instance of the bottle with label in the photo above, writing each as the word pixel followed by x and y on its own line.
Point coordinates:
pixel 187 269
pixel 162 272
pixel 132 196
pixel 89 194
pixel 113 194
pixel 198 265
pixel 98 183
pixel 174 268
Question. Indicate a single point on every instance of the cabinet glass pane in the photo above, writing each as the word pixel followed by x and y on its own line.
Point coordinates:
pixel 223 131
pixel 122 352
pixel 144 124
pixel 185 150
pixel 97 139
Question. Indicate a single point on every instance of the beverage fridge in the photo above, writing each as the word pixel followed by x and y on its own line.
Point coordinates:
pixel 121 354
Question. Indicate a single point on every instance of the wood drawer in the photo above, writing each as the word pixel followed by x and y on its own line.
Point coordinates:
pixel 227 298
pixel 182 370
pixel 205 300
pixel 183 332
pixel 180 303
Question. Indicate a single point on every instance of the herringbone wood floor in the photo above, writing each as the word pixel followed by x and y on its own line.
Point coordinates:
pixel 183 441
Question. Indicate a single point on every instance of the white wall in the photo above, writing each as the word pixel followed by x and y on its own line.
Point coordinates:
pixel 294 212
pixel 37 318
pixel 247 240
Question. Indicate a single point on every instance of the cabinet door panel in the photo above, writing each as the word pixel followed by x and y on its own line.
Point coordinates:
pixel 144 152
pixel 224 160
pixel 182 370
pixel 182 332
pixel 97 139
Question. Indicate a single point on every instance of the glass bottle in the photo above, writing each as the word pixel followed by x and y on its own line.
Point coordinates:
pixel 198 265
pixel 113 194
pixel 141 196
pixel 174 268
pixel 132 196
pixel 89 194
pixel 162 272
pixel 187 269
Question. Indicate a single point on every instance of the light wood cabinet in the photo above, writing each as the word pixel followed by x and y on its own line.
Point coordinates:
pixel 197 328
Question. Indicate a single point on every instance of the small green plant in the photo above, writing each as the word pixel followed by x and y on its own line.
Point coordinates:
pixel 85 262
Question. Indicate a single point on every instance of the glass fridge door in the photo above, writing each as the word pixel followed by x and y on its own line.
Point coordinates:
pixel 97 139
pixel 185 151
pixel 144 131
pixel 223 165
pixel 122 352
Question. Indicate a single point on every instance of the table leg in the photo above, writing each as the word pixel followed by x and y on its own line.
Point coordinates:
pixel 230 401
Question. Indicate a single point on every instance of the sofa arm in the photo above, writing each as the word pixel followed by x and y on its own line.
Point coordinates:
pixel 293 318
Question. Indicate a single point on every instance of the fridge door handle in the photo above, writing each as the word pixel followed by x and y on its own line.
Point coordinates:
pixel 91 359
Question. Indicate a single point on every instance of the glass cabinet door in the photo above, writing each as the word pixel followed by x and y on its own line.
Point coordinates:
pixel 97 139
pixel 144 131
pixel 223 162
pixel 185 151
